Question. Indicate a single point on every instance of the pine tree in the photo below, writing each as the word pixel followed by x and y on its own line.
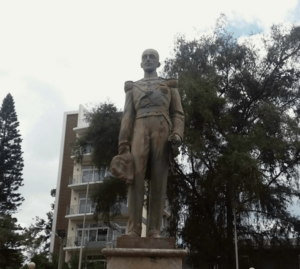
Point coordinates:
pixel 11 241
pixel 11 161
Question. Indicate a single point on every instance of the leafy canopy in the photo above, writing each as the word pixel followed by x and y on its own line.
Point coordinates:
pixel 38 235
pixel 241 149
pixel 102 134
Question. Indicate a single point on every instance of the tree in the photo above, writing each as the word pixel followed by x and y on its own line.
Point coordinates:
pixel 11 241
pixel 241 149
pixel 42 261
pixel 11 161
pixel 38 235
pixel 11 165
pixel 102 134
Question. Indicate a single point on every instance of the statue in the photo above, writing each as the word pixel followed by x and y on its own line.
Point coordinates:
pixel 151 129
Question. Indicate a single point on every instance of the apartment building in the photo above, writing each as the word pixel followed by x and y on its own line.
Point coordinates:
pixel 73 210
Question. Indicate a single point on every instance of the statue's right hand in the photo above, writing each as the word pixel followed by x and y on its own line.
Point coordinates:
pixel 124 149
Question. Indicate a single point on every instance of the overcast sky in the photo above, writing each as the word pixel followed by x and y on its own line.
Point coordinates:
pixel 55 55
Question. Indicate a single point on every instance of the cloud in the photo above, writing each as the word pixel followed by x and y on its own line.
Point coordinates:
pixel 45 109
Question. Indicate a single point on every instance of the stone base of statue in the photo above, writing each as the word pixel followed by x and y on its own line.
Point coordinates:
pixel 144 253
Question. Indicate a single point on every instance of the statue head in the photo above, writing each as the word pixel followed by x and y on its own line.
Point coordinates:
pixel 150 60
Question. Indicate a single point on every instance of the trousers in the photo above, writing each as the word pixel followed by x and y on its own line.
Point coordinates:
pixel 150 150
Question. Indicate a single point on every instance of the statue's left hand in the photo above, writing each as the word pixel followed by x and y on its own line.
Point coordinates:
pixel 175 139
pixel 124 149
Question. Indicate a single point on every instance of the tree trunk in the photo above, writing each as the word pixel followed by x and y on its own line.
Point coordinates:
pixel 229 219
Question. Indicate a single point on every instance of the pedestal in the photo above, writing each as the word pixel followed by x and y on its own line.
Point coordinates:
pixel 142 256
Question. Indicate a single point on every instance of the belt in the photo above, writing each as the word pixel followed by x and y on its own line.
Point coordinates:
pixel 147 112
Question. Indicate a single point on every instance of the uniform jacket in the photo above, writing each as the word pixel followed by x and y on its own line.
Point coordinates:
pixel 151 97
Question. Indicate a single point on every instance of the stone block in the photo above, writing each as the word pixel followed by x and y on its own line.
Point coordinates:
pixel 145 242
pixel 124 258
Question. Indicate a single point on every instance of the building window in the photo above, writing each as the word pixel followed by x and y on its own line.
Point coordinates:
pixel 93 234
pixel 102 234
pixel 98 232
pixel 91 174
pixel 90 208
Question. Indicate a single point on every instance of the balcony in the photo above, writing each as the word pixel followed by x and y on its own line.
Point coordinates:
pixel 76 212
pixel 79 181
pixel 89 242
pixel 95 240
pixel 85 152
pixel 80 209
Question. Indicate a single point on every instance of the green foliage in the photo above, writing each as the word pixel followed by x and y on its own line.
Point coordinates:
pixel 108 198
pixel 74 261
pixel 102 135
pixel 241 146
pixel 11 161
pixel 38 234
pixel 97 265
pixel 11 166
pixel 42 261
pixel 11 241
pixel 13 259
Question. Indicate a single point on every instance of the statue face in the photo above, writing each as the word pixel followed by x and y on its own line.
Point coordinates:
pixel 150 60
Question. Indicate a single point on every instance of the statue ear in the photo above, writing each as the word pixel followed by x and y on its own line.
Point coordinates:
pixel 141 65
pixel 158 65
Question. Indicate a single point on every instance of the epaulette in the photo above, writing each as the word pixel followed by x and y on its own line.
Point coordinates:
pixel 128 85
pixel 173 83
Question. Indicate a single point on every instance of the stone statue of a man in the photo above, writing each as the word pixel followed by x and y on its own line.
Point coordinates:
pixel 152 123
